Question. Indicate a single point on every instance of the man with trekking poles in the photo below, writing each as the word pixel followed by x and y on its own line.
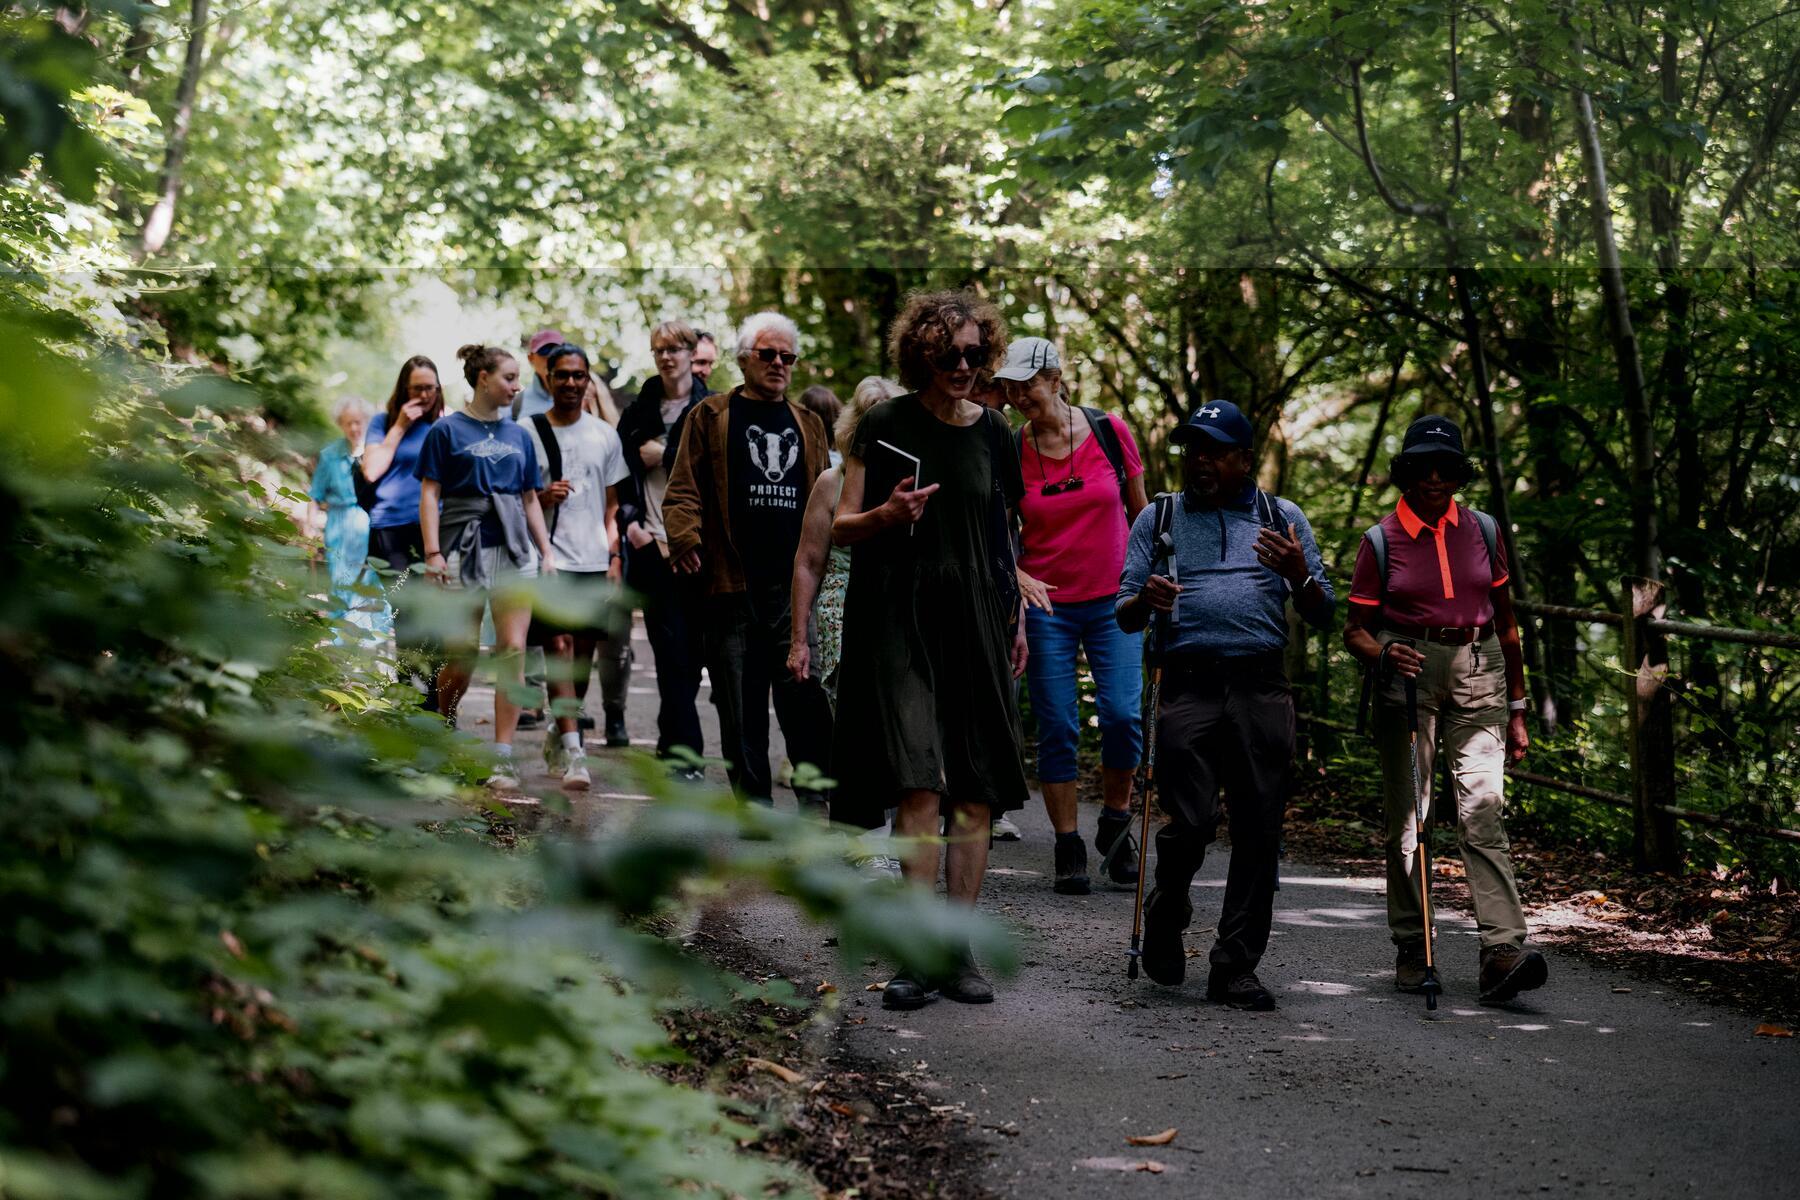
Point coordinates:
pixel 1431 619
pixel 1216 566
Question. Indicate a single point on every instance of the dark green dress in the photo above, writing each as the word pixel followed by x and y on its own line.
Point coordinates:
pixel 925 690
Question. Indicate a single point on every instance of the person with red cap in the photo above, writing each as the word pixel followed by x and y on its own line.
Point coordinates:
pixel 536 397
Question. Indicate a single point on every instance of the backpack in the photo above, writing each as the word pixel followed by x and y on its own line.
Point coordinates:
pixel 553 452
pixel 1163 517
pixel 1104 434
pixel 1377 539
pixel 1490 534
pixel 366 495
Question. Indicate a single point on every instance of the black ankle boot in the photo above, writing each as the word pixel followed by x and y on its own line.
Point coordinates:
pixel 1179 853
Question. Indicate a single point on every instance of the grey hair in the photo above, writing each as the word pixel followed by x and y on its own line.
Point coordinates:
pixel 352 405
pixel 872 390
pixel 757 324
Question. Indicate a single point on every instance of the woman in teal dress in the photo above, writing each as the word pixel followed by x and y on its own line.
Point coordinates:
pixel 347 529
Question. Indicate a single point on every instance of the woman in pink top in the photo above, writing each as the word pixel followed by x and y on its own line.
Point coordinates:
pixel 1084 484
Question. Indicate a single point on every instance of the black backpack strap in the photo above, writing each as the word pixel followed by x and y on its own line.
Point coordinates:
pixel 1268 515
pixel 1490 534
pixel 553 452
pixel 1377 539
pixel 552 449
pixel 1108 437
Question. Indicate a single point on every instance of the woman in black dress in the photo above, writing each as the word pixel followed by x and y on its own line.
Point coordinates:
pixel 927 717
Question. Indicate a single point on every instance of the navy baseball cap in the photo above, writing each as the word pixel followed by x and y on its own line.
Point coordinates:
pixel 1433 435
pixel 1219 420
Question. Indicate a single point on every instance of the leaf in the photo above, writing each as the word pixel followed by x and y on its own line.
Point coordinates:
pixel 1152 1139
pixel 785 1074
pixel 1773 1031
pixel 1152 1166
pixel 825 988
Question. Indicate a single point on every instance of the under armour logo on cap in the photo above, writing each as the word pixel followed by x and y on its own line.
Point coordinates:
pixel 1219 421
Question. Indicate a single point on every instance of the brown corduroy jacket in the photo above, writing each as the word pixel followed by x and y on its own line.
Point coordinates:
pixel 697 506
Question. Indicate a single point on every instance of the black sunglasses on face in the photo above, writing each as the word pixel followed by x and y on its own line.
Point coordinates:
pixel 975 356
pixel 769 354
pixel 577 376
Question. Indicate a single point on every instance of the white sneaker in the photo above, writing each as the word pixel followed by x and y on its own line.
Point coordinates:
pixel 575 773
pixel 504 778
pixel 1005 830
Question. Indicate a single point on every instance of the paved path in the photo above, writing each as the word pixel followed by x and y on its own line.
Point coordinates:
pixel 1601 1085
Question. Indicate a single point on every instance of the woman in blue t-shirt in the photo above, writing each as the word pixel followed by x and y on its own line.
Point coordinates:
pixel 484 533
pixel 390 455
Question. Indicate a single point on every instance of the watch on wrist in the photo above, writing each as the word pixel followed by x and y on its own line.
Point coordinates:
pixel 1518 705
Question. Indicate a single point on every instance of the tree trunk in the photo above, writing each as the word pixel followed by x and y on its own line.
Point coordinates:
pixel 1646 553
pixel 161 220
pixel 1498 498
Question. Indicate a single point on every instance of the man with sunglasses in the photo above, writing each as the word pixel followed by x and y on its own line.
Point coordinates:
pixel 1227 720
pixel 733 513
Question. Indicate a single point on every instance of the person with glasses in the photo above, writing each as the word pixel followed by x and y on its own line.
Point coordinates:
pixel 390 452
pixel 927 715
pixel 734 512
pixel 580 465
pixel 650 430
pixel 1084 485
pixel 1220 602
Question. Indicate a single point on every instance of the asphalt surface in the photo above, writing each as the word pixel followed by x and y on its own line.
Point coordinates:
pixel 1600 1084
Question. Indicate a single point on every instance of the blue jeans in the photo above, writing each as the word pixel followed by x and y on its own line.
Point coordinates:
pixel 1117 662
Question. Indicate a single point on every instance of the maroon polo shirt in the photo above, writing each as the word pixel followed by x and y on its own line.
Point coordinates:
pixel 1437 574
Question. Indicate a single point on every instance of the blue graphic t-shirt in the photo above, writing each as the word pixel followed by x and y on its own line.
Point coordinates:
pixel 479 458
pixel 397 491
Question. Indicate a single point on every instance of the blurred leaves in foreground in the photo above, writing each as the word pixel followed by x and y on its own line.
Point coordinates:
pixel 256 942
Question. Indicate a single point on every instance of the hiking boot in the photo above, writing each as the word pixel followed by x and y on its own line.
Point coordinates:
pixel 1121 864
pixel 1239 987
pixel 575 773
pixel 903 992
pixel 1004 830
pixel 967 985
pixel 1164 957
pixel 1071 865
pixel 616 736
pixel 1508 970
pixel 1409 967
pixel 531 718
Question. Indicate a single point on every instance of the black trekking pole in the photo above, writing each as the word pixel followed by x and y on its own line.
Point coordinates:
pixel 1165 548
pixel 1421 811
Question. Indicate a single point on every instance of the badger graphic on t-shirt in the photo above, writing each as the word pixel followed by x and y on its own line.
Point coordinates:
pixel 772 453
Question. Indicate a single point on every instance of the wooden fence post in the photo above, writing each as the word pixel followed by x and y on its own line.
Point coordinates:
pixel 1655 844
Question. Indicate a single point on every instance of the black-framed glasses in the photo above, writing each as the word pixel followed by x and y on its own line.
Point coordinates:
pixel 976 356
pixel 769 354
pixel 1058 487
pixel 422 389
pixel 576 376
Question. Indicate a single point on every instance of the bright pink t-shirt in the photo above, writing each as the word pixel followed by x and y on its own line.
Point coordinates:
pixel 1075 539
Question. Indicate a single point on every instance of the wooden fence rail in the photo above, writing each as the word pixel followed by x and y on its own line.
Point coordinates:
pixel 1645 654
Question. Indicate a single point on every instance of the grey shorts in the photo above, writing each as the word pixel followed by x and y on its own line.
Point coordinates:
pixel 498 567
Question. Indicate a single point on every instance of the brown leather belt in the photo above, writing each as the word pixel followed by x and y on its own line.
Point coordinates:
pixel 1444 635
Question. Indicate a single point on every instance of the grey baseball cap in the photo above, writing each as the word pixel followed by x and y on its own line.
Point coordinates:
pixel 1026 357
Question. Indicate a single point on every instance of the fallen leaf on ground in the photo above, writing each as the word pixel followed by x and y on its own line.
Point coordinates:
pixel 1122 1164
pixel 824 988
pixel 876 987
pixel 785 1074
pixel 1152 1139
pixel 1774 1031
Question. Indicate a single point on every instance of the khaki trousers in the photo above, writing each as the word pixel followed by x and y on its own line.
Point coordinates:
pixel 1462 705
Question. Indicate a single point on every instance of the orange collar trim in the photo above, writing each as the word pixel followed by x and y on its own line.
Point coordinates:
pixel 1409 520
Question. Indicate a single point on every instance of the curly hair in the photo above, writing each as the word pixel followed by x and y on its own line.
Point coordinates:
pixel 927 325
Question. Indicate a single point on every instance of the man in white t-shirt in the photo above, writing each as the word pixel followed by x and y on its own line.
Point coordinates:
pixel 582 461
